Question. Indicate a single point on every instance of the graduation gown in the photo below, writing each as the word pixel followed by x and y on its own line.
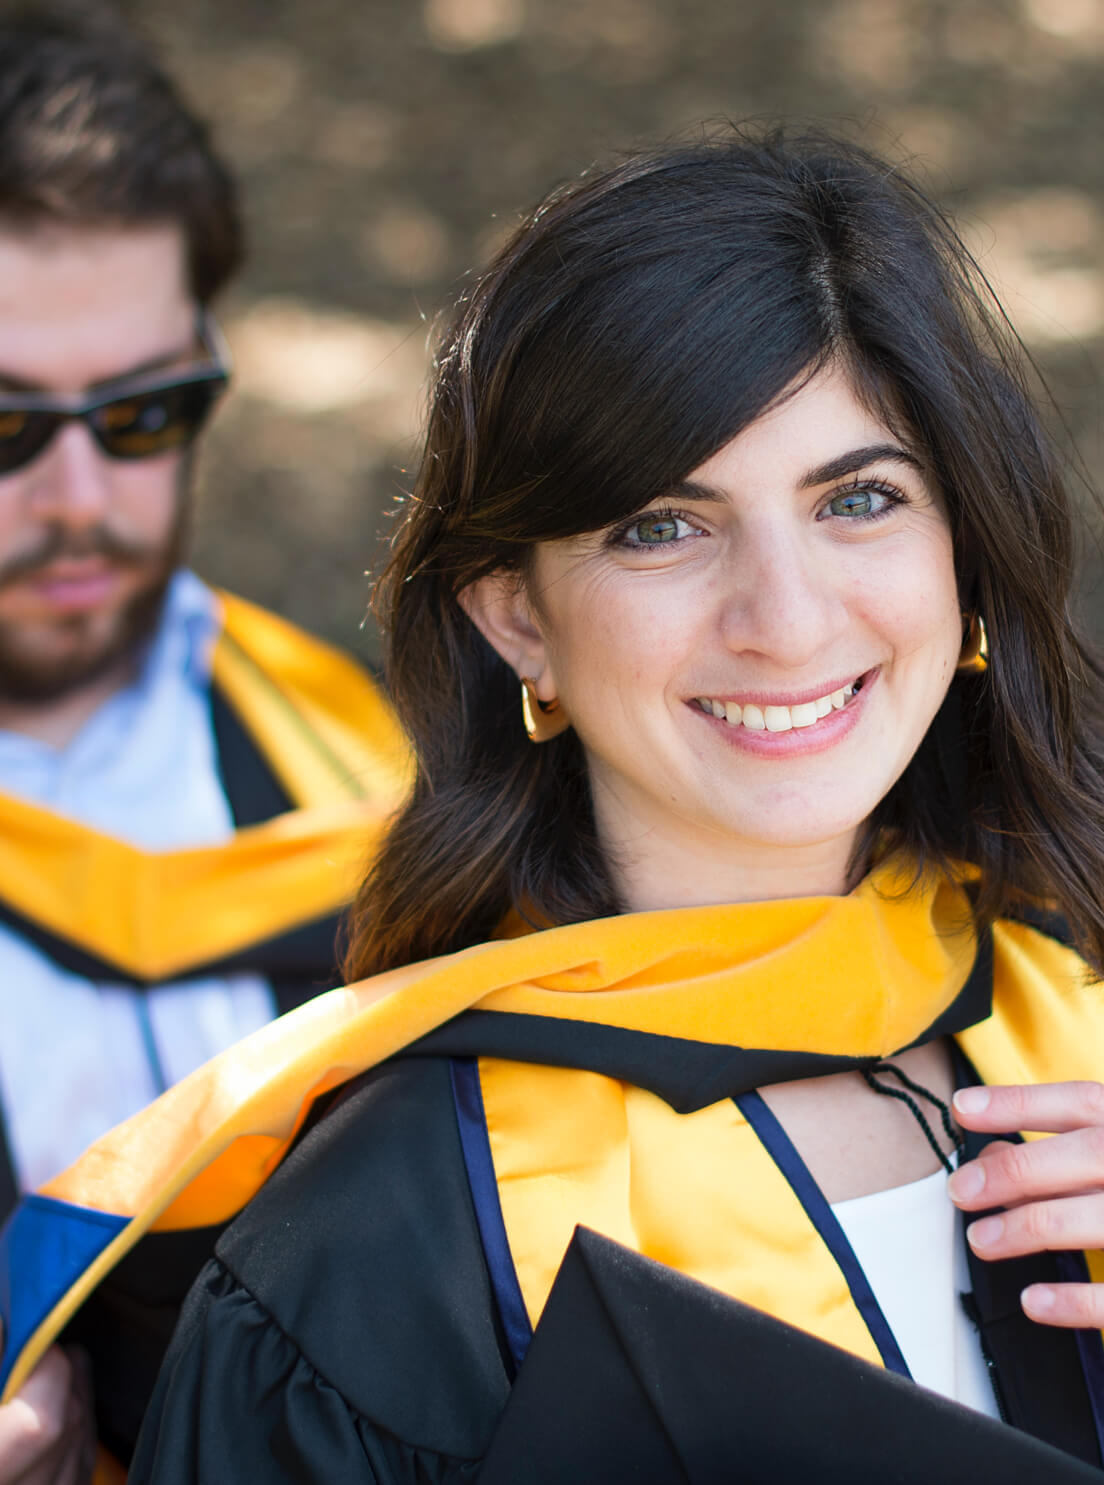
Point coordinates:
pixel 368 1314
pixel 312 763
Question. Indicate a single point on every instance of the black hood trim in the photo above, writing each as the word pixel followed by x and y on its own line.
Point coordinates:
pixel 688 1075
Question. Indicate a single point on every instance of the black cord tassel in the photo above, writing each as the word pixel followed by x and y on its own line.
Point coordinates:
pixel 950 1128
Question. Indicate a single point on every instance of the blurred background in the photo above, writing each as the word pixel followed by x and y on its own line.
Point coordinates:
pixel 386 146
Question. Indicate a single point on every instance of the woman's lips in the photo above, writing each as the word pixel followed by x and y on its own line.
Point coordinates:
pixel 827 730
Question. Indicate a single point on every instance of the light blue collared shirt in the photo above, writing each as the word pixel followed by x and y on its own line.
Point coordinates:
pixel 143 766
pixel 77 1056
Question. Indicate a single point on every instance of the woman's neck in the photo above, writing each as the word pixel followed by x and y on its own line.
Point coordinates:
pixel 700 868
pixel 855 1143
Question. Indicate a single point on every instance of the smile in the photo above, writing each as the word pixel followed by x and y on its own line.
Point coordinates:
pixel 767 717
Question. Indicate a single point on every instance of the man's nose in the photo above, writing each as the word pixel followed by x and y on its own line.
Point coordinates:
pixel 783 602
pixel 72 479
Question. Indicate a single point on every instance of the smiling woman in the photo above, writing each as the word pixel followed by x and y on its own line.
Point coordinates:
pixel 681 338
pixel 759 774
pixel 697 647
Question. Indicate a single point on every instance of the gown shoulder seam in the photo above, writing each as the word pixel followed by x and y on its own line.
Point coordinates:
pixel 366 1419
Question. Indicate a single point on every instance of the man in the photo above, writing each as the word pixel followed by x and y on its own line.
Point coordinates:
pixel 188 785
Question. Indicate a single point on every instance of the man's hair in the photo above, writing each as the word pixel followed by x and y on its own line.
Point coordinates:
pixel 634 325
pixel 94 134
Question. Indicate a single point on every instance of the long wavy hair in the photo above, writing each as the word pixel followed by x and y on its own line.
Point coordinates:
pixel 634 324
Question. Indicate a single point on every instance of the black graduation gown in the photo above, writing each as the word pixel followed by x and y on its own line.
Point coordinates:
pixel 347 1331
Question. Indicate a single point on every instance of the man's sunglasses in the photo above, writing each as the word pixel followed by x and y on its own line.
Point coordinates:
pixel 135 417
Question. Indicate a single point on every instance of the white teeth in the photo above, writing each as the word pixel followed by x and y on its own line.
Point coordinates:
pixel 776 718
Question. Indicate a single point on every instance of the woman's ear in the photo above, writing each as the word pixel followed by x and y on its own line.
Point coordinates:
pixel 499 607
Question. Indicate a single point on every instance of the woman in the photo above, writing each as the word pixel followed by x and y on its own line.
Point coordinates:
pixel 731 474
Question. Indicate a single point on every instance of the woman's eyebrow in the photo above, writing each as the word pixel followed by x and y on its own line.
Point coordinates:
pixel 823 474
pixel 692 490
pixel 856 459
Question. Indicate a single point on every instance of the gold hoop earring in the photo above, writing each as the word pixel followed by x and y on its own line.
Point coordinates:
pixel 543 719
pixel 974 657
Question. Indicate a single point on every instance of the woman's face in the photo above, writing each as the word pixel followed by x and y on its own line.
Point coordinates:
pixel 751 662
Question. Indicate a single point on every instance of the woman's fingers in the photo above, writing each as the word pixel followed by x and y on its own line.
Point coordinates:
pixel 1051 1190
pixel 1074 1305
pixel 1044 1108
pixel 1008 1174
pixel 1070 1222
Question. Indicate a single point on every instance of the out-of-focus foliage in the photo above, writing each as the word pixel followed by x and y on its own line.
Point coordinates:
pixel 385 146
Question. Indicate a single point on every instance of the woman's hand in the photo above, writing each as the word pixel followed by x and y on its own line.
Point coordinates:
pixel 47 1434
pixel 1052 1190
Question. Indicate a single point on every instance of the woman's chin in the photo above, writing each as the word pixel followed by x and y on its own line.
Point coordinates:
pixel 798 828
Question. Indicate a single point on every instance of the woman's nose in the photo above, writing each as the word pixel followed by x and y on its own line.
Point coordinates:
pixel 783 601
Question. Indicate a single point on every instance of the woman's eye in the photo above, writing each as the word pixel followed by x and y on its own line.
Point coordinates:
pixel 865 501
pixel 656 531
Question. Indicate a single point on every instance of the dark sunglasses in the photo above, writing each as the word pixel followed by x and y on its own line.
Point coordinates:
pixel 136 417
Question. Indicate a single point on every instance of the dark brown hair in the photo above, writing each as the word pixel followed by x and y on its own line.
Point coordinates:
pixel 634 325
pixel 93 133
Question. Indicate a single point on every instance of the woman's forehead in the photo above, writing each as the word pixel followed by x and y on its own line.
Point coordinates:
pixel 819 421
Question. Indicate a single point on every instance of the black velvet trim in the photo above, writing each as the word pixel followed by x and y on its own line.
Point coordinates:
pixel 1053 925
pixel 637 1373
pixel 973 1003
pixel 254 792
pixel 688 1075
pixel 306 954
pixel 300 962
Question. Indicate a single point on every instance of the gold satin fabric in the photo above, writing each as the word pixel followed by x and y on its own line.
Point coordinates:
pixel 333 742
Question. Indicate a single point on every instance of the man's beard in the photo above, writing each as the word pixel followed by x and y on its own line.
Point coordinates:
pixel 27 677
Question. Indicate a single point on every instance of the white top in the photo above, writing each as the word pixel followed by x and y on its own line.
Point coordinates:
pixel 909 1243
pixel 77 1056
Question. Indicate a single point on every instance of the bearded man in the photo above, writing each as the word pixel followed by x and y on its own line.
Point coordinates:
pixel 188 785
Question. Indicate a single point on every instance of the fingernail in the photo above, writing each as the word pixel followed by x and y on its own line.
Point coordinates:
pixel 1038 1299
pixel 985 1233
pixel 971 1100
pixel 968 1182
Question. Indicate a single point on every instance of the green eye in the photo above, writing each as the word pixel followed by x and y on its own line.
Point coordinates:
pixel 865 502
pixel 661 528
pixel 854 503
pixel 654 531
